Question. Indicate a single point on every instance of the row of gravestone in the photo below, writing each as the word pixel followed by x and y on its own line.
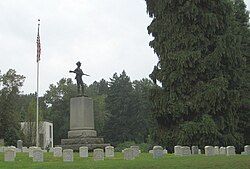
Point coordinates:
pixel 209 150
pixel 37 154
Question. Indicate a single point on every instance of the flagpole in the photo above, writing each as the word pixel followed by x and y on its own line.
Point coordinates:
pixel 37 91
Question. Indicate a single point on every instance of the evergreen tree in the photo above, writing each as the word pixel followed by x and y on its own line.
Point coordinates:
pixel 98 92
pixel 243 30
pixel 199 67
pixel 119 128
pixel 143 109
pixel 57 99
pixel 9 118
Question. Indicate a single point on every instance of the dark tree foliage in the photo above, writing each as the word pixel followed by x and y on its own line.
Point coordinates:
pixel 57 99
pixel 11 83
pixel 119 102
pixel 143 109
pixel 200 63
pixel 98 92
pixel 243 30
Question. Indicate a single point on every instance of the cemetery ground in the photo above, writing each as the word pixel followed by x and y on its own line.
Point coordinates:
pixel 144 161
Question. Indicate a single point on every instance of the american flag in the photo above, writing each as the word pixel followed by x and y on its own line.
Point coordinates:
pixel 38 45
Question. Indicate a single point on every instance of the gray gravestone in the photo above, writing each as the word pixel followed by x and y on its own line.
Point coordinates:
pixel 195 150
pixel 185 151
pixel 165 151
pixel 177 150
pixel 230 150
pixel 247 149
pixel 68 155
pixel 9 155
pixel 151 151
pixel 25 150
pixel 135 150
pixel 37 155
pixel 20 144
pixel 128 154
pixel 57 152
pixel 209 150
pixel 223 150
pixel 157 152
pixel 1 142
pixel 98 154
pixel 83 151
pixel 216 150
pixel 109 151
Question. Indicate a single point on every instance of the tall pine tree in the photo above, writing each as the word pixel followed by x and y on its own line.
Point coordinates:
pixel 199 67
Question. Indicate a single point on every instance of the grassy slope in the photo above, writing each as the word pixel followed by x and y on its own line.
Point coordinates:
pixel 145 161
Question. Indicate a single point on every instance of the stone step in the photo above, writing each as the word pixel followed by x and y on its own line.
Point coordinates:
pixel 90 140
pixel 76 147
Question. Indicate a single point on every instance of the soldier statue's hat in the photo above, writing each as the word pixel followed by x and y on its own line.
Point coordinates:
pixel 78 63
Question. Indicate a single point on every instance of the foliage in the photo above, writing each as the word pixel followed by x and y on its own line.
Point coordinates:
pixel 57 100
pixel 11 82
pixel 121 146
pixel 119 102
pixel 199 68
pixel 98 92
pixel 243 29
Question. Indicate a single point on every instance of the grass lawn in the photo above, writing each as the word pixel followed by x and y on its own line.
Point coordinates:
pixel 145 161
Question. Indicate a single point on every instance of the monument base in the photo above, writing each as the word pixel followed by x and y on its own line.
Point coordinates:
pixel 82 132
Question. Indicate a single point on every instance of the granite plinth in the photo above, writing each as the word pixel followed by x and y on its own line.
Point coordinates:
pixel 91 147
pixel 81 114
pixel 82 141
pixel 82 131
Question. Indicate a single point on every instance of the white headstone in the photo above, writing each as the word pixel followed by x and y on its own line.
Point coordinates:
pixel 68 155
pixel 165 151
pixel 199 151
pixel 31 149
pixel 37 155
pixel 135 150
pixel 83 151
pixel 128 154
pixel 247 149
pixel 151 151
pixel 25 150
pixel 230 150
pixel 209 150
pixel 1 149
pixel 109 151
pixel 9 155
pixel 157 152
pixel 185 151
pixel 195 149
pixel 216 150
pixel 13 148
pixel 177 150
pixel 98 154
pixel 57 152
pixel 223 150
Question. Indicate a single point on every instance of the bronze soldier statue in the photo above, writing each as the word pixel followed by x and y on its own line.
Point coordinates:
pixel 79 73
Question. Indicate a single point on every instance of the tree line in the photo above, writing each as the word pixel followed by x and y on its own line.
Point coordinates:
pixel 121 108
pixel 199 93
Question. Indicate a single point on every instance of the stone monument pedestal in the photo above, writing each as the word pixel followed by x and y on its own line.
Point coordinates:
pixel 82 129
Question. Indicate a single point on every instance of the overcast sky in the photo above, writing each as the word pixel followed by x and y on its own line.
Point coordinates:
pixel 107 36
